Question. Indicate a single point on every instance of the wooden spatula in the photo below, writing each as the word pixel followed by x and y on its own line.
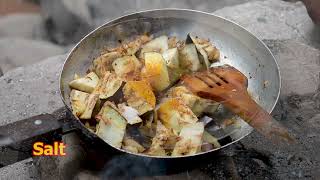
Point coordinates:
pixel 227 85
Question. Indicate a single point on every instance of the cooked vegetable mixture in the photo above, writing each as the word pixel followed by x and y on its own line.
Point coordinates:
pixel 131 97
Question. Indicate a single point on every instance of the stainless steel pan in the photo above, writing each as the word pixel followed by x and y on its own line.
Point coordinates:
pixel 238 47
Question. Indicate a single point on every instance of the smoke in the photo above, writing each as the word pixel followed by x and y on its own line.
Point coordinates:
pixel 129 167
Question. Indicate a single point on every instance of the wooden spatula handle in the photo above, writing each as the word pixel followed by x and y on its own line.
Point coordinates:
pixel 244 106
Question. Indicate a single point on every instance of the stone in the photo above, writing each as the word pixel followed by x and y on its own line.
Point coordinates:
pixel 274 19
pixel 315 122
pixel 32 90
pixel 71 19
pixel 202 5
pixel 28 25
pixel 20 170
pixel 299 66
pixel 66 21
pixel 102 11
pixel 16 52
pixel 302 157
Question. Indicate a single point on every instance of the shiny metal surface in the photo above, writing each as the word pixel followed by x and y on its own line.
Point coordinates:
pixel 238 47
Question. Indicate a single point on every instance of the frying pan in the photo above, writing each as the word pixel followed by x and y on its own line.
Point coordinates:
pixel 238 47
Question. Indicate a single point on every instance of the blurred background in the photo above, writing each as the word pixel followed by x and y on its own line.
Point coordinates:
pixel 32 30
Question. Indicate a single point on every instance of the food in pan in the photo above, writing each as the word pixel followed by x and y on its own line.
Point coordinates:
pixel 133 89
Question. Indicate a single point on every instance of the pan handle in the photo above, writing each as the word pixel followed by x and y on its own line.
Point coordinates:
pixel 28 128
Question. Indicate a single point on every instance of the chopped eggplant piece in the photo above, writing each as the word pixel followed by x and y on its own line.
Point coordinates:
pixel 159 44
pixel 86 84
pixel 174 114
pixel 91 128
pixel 131 145
pixel 90 104
pixel 190 140
pixel 212 107
pixel 132 47
pixel 158 151
pixel 97 108
pixel 203 57
pixel 206 147
pixel 213 54
pixel 103 63
pixel 156 71
pixel 83 103
pixel 127 67
pixel 175 74
pixel 207 137
pixel 130 114
pixel 76 76
pixel 204 106
pixel 139 96
pixel 149 125
pixel 162 138
pixel 198 105
pixel 112 126
pixel 108 85
pixel 151 121
pixel 78 102
pixel 130 149
pixel 171 56
pixel 186 96
pixel 189 57
pixel 173 42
